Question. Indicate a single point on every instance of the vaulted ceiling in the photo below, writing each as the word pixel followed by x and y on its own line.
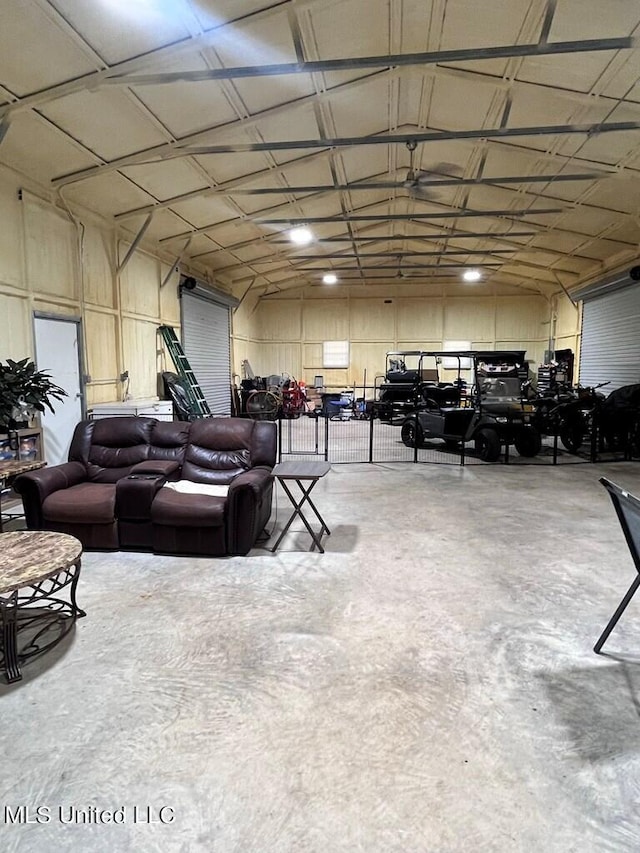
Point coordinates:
pixel 414 138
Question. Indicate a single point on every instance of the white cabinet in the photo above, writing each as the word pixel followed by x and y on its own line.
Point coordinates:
pixel 160 409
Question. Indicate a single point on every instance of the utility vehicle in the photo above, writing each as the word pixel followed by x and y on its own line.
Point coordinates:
pixel 492 414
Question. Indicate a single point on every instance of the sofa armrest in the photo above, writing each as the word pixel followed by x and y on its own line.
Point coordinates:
pixel 248 508
pixel 35 486
pixel 166 467
pixel 135 494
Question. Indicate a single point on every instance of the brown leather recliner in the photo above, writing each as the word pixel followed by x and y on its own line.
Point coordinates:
pixel 110 494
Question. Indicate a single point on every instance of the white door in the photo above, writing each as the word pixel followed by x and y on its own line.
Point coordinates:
pixel 57 353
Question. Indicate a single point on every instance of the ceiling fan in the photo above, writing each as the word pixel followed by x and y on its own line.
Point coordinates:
pixel 422 183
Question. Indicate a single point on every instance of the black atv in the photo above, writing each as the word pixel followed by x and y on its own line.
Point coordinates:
pixel 492 416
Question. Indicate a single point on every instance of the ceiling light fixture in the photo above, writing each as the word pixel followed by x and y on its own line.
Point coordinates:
pixel 300 236
pixel 329 278
pixel 472 275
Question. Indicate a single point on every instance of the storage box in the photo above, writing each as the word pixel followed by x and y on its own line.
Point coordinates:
pixel 162 410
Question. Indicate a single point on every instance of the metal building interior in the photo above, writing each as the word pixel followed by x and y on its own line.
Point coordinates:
pixel 147 140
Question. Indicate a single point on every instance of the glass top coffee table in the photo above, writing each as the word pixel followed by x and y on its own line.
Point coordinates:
pixel 35 567
pixel 306 475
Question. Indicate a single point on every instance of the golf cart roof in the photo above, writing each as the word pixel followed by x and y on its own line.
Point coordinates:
pixel 489 356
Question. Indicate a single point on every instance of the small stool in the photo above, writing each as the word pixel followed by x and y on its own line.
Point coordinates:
pixel 301 473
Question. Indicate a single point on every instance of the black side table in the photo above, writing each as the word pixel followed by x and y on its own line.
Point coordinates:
pixel 306 475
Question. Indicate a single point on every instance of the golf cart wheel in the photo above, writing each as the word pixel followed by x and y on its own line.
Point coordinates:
pixel 528 442
pixel 411 433
pixel 571 436
pixel 487 444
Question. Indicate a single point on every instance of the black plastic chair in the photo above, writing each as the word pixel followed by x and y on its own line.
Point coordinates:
pixel 627 508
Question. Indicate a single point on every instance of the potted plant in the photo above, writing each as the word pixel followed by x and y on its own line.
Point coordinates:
pixel 24 391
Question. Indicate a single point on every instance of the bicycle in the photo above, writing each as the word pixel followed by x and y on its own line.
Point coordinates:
pixel 262 406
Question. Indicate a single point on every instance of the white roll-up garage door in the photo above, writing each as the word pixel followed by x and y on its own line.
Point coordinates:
pixel 205 339
pixel 610 349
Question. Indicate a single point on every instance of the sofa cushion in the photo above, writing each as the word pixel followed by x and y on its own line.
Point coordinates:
pixel 169 440
pixel 182 510
pixel 85 503
pixel 219 449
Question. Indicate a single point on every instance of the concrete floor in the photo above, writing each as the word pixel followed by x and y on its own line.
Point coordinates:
pixel 428 684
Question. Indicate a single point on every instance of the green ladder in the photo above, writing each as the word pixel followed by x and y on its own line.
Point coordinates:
pixel 198 404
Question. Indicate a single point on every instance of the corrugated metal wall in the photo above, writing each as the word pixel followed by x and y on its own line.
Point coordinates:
pixel 610 350
pixel 205 335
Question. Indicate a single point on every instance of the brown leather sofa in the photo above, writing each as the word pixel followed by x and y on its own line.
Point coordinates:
pixel 110 493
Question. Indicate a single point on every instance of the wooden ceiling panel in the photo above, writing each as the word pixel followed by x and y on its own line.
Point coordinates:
pixel 360 163
pixel 226 167
pixel 579 73
pixel 592 19
pixel 107 195
pixel 279 127
pixel 119 29
pixel 184 108
pixel 265 41
pixel 213 13
pixel 614 147
pixel 37 148
pixel 124 148
pixel 27 35
pixel 261 93
pixel 482 25
pixel 163 224
pixel 161 179
pixel 107 122
pixel 457 103
pixel 361 114
pixel 350 28
pixel 206 210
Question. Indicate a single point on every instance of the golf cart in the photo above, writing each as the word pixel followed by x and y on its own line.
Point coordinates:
pixel 493 415
pixel 411 381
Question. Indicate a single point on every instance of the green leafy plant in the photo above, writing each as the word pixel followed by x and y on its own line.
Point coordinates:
pixel 25 391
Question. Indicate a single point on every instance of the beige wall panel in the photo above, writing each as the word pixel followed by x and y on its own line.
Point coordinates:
pixel 60 309
pixel 426 346
pixel 334 380
pixel 16 338
pixel 278 358
pixel 169 302
pixel 108 393
pixel 141 356
pixel 312 356
pixel 367 357
pixel 10 233
pixel 420 320
pixel 325 320
pixel 98 264
pixel 568 317
pixel 241 349
pixel 51 248
pixel 522 318
pixel 467 319
pixel 140 284
pixel 279 321
pixel 372 320
pixel 249 350
pixel 100 336
pixel 244 318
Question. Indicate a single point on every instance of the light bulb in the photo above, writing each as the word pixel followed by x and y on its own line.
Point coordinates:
pixel 329 278
pixel 300 236
pixel 472 275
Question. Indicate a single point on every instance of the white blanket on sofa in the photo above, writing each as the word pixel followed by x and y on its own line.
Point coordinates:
pixel 190 488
